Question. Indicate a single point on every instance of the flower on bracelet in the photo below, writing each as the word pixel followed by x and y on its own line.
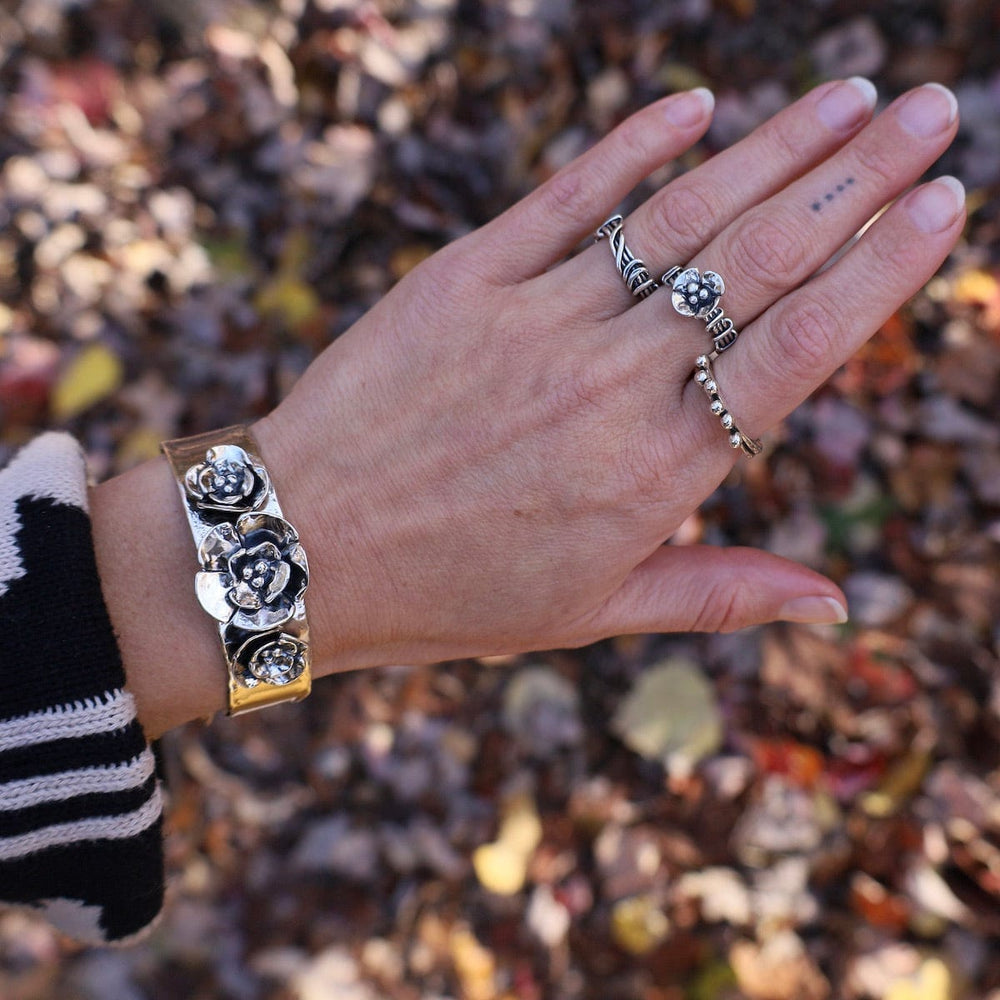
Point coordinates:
pixel 228 480
pixel 253 572
pixel 271 658
pixel 696 294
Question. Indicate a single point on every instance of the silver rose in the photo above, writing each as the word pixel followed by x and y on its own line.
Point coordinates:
pixel 228 480
pixel 696 294
pixel 253 572
pixel 270 659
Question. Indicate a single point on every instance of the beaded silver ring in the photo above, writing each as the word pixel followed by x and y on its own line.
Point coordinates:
pixel 705 377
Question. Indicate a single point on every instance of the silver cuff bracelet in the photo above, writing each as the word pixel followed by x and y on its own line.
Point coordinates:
pixel 252 569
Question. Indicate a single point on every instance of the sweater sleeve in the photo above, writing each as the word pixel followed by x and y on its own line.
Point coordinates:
pixel 80 805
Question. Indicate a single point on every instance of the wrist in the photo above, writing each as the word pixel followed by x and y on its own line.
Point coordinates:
pixel 169 645
pixel 146 563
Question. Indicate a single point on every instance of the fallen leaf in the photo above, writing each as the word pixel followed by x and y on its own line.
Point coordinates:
pixel 638 924
pixel 779 969
pixel 802 765
pixel 671 715
pixel 474 965
pixel 502 866
pixel 932 982
pixel 900 783
pixel 291 299
pixel 91 376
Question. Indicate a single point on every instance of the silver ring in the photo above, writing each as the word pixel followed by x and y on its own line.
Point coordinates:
pixel 696 294
pixel 633 270
pixel 705 377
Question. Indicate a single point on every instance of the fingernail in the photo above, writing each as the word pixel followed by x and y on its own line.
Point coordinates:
pixel 928 110
pixel 814 611
pixel 935 206
pixel 685 110
pixel 847 104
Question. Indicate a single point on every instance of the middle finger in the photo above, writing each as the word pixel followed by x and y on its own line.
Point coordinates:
pixel 677 221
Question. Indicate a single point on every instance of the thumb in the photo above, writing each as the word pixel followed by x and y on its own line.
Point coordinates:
pixel 700 588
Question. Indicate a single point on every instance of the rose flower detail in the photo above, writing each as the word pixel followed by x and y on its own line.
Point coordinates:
pixel 253 572
pixel 696 294
pixel 266 659
pixel 228 480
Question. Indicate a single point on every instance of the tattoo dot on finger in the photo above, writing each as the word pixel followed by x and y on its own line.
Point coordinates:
pixel 817 205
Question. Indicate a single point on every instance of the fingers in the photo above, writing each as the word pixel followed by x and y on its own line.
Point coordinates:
pixel 700 588
pixel 801 341
pixel 543 227
pixel 678 221
pixel 778 244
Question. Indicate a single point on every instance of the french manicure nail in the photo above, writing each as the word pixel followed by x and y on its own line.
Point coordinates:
pixel 848 103
pixel 928 110
pixel 935 206
pixel 813 611
pixel 689 108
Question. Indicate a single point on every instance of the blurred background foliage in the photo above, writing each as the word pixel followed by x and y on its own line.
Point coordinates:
pixel 196 197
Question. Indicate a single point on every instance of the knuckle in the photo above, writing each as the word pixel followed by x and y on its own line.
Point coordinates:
pixel 721 609
pixel 781 144
pixel 766 252
pixel 455 273
pixel 434 270
pixel 573 391
pixel 878 162
pixel 898 258
pixel 808 333
pixel 635 136
pixel 683 217
pixel 569 194
pixel 434 282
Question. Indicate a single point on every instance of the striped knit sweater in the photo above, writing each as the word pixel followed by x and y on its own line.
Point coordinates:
pixel 80 809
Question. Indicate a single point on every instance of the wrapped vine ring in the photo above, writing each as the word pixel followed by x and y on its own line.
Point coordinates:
pixel 633 269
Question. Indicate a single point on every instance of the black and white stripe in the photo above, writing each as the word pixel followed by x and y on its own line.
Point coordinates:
pixel 80 805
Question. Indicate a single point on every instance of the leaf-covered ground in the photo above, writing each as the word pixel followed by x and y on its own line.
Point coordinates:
pixel 195 197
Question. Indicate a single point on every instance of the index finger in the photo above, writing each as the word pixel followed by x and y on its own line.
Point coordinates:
pixel 546 225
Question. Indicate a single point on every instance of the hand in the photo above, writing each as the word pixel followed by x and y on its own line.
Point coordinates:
pixel 493 457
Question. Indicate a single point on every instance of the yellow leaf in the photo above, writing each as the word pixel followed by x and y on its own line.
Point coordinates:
pixel 932 982
pixel 91 376
pixel 976 287
pixel 474 964
pixel 290 298
pixel 136 447
pixel 899 784
pixel 500 868
pixel 520 829
pixel 638 924
pixel 671 715
pixel 295 252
